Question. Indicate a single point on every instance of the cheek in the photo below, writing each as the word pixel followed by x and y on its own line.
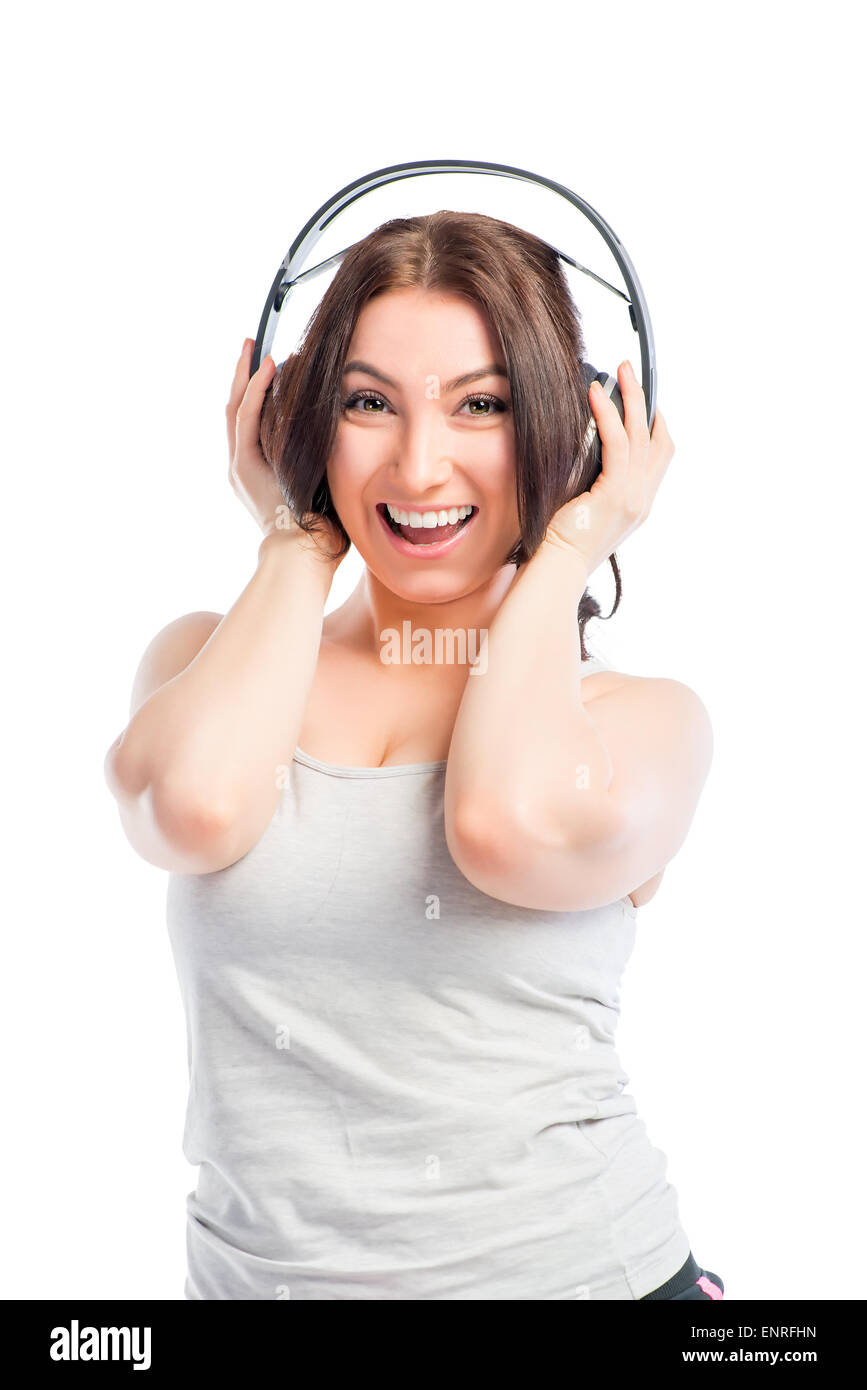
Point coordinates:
pixel 347 472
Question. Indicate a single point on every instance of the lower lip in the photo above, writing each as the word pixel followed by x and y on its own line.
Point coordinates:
pixel 425 552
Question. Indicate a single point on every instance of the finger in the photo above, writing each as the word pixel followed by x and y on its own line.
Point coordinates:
pixel 661 451
pixel 256 385
pixel 239 386
pixel 241 377
pixel 661 442
pixel 239 381
pixel 634 405
pixel 249 413
pixel 660 429
pixel 615 441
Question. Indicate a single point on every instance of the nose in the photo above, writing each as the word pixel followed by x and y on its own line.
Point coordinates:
pixel 422 460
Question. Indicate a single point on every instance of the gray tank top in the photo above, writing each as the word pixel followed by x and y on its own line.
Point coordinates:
pixel 400 1087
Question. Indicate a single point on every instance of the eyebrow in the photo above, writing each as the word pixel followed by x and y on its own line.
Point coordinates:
pixel 493 369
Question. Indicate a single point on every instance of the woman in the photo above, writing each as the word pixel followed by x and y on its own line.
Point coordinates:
pixel 407 841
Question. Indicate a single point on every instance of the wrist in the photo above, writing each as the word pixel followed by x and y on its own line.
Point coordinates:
pixel 291 548
pixel 574 566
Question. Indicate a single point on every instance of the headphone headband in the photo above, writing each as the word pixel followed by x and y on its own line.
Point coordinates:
pixel 290 272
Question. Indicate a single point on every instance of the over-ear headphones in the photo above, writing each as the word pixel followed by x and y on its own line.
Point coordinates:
pixel 290 274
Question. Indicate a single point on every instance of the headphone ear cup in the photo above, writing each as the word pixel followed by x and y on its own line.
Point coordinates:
pixel 593 443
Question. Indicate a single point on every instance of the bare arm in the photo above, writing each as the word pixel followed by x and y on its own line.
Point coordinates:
pixel 549 804
pixel 658 738
pixel 523 739
pixel 217 706
pixel 552 804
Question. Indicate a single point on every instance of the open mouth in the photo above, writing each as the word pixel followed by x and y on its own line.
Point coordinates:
pixel 425 535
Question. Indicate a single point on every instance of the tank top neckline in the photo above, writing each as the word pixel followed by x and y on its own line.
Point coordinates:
pixel 588 667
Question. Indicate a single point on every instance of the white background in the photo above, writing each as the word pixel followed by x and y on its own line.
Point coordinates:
pixel 159 161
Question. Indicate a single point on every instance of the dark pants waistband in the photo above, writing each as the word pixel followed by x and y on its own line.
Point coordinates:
pixel 684 1279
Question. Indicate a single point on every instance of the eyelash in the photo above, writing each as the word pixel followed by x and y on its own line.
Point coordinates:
pixel 378 396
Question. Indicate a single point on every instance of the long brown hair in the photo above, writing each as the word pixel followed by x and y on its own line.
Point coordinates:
pixel 519 283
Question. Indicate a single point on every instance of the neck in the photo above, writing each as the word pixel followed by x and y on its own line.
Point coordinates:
pixel 373 611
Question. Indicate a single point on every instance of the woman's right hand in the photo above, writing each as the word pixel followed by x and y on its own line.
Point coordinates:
pixel 251 476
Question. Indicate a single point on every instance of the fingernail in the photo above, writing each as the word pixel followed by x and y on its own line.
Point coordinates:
pixel 629 371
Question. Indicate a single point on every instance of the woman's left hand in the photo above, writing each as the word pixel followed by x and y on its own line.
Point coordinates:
pixel 633 466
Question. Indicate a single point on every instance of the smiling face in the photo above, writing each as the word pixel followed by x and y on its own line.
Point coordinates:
pixel 425 432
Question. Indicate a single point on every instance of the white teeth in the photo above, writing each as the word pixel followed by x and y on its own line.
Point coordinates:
pixel 447 517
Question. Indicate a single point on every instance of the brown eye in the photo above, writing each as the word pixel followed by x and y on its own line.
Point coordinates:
pixel 496 405
pixel 364 396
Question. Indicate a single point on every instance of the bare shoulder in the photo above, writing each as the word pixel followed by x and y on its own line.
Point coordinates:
pixel 661 692
pixel 660 737
pixel 170 652
pixel 639 712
